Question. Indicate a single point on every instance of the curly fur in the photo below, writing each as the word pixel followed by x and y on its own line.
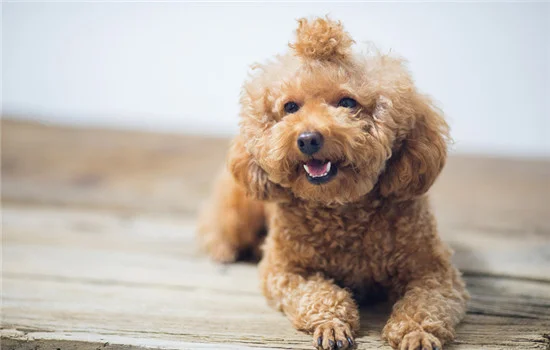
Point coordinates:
pixel 370 228
pixel 321 39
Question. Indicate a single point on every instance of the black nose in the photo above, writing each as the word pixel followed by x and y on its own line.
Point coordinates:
pixel 310 142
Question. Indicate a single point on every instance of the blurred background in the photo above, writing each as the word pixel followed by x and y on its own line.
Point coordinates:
pixel 179 67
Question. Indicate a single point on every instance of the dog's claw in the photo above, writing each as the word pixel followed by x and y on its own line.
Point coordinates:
pixel 332 335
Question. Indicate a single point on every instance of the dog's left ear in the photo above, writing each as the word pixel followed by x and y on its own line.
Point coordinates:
pixel 251 176
pixel 420 156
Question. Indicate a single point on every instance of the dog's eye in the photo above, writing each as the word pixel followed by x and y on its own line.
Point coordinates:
pixel 291 107
pixel 347 102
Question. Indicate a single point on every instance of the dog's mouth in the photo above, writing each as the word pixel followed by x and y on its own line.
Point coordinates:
pixel 319 172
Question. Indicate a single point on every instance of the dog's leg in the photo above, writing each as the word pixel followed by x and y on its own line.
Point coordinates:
pixel 313 304
pixel 427 313
pixel 231 221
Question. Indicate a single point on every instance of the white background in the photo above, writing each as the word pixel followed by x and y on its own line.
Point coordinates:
pixel 179 67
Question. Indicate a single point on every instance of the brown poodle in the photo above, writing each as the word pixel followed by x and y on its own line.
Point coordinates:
pixel 335 154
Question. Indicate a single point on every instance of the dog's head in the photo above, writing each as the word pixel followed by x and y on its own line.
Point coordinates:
pixel 324 124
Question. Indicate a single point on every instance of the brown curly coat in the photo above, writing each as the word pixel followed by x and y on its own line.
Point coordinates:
pixel 369 228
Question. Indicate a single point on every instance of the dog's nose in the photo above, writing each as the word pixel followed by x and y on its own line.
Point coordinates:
pixel 310 142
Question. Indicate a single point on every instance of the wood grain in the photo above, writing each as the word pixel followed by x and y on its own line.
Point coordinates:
pixel 98 247
pixel 76 273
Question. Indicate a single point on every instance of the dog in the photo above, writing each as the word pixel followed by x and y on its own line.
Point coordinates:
pixel 335 154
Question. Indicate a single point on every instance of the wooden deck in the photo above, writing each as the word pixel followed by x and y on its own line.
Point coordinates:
pixel 99 252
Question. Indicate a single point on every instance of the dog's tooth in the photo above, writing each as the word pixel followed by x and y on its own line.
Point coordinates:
pixel 328 166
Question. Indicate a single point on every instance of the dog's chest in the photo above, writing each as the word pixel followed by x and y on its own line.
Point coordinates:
pixel 352 246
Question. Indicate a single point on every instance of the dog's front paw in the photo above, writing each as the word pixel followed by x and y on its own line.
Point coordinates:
pixel 420 340
pixel 333 334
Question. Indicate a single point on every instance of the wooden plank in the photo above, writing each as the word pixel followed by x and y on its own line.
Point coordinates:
pixel 155 316
pixel 509 196
pixel 106 168
pixel 170 238
pixel 31 340
pixel 26 344
pixel 102 276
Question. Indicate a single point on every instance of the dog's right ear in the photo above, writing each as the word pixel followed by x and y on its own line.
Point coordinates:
pixel 250 175
pixel 417 162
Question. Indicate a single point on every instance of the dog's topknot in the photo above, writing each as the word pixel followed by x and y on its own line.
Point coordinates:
pixel 321 39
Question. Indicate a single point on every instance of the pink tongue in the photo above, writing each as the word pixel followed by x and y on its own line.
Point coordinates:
pixel 316 167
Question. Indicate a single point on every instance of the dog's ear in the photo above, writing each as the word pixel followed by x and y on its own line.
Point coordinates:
pixel 250 175
pixel 420 156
